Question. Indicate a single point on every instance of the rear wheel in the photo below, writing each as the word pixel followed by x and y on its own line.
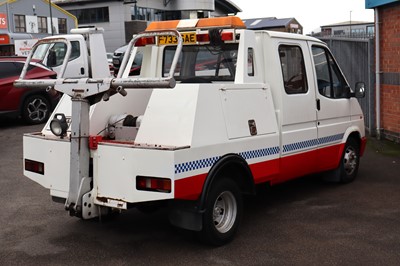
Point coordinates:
pixel 223 213
pixel 36 109
pixel 350 161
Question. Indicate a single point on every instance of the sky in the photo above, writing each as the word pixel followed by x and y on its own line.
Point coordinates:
pixel 311 14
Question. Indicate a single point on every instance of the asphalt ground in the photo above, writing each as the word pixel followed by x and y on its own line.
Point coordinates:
pixel 303 222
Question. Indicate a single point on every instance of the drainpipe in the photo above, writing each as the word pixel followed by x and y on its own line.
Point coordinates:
pixel 377 77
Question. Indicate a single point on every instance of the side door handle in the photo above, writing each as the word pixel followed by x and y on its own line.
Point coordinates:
pixel 318 104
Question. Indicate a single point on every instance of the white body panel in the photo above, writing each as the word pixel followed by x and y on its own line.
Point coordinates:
pixel 117 168
pixel 51 152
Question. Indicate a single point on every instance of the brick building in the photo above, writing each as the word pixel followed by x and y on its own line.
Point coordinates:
pixel 387 29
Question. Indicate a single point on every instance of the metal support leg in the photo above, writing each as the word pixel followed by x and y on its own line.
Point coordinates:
pixel 79 182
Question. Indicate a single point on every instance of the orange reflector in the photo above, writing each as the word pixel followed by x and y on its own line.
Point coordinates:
pixel 220 22
pixel 34 166
pixel 153 184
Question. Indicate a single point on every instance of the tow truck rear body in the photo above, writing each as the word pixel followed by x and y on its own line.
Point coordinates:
pixel 217 109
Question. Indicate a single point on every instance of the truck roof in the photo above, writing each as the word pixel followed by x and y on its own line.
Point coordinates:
pixel 292 36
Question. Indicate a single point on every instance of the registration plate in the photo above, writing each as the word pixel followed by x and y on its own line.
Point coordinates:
pixel 187 38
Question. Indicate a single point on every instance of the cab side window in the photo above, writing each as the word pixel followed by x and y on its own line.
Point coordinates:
pixel 57 53
pixel 330 80
pixel 293 69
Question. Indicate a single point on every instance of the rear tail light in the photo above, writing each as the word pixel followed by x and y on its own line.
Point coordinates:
pixel 153 184
pixel 227 36
pixel 203 37
pixel 145 41
pixel 34 166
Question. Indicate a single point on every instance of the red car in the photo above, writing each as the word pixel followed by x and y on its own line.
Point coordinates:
pixel 33 105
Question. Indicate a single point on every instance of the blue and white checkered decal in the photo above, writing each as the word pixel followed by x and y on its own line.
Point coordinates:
pixel 208 162
pixel 330 138
pixel 259 153
pixel 194 165
pixel 204 163
pixel 310 143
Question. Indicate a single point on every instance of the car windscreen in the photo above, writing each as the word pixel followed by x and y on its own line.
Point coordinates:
pixel 205 63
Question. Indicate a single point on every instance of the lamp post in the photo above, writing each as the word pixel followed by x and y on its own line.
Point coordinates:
pixel 350 23
pixel 51 18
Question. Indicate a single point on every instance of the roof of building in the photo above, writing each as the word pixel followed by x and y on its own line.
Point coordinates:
pixel 377 3
pixel 228 6
pixel 268 22
pixel 347 23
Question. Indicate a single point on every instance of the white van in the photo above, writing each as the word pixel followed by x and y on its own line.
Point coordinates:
pixel 217 109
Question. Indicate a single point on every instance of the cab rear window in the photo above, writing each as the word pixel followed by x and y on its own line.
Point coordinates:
pixel 205 63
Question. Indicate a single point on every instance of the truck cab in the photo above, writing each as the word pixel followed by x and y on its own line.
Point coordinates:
pixel 216 110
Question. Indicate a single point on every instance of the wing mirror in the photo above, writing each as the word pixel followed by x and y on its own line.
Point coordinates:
pixel 359 91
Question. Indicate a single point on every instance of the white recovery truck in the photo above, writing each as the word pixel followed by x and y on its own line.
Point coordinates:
pixel 217 109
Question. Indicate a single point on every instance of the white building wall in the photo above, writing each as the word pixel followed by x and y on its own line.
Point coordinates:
pixel 200 5
pixel 114 30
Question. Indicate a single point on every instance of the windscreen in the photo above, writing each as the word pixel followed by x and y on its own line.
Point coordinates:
pixel 205 63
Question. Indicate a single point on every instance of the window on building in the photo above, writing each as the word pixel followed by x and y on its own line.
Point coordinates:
pixel 42 24
pixel 370 31
pixel 142 13
pixel 62 25
pixel 293 69
pixel 331 82
pixel 20 24
pixel 338 32
pixel 91 15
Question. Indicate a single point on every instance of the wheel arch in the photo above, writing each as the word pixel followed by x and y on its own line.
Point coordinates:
pixel 352 132
pixel 231 166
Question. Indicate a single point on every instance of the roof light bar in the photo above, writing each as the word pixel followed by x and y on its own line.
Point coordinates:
pixel 204 23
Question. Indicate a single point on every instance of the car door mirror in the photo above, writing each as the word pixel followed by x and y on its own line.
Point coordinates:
pixel 359 91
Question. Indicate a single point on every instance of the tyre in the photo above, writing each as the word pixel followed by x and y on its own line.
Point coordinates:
pixel 350 161
pixel 223 213
pixel 36 109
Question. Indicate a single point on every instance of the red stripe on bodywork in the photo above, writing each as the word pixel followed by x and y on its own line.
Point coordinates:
pixel 265 171
pixel 363 145
pixel 189 188
pixel 328 158
pixel 276 170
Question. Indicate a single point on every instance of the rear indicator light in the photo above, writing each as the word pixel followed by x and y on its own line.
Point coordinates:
pixel 34 166
pixel 227 36
pixel 203 37
pixel 145 41
pixel 156 184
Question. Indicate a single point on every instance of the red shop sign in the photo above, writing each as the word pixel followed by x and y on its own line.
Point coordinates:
pixel 3 21
pixel 4 39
